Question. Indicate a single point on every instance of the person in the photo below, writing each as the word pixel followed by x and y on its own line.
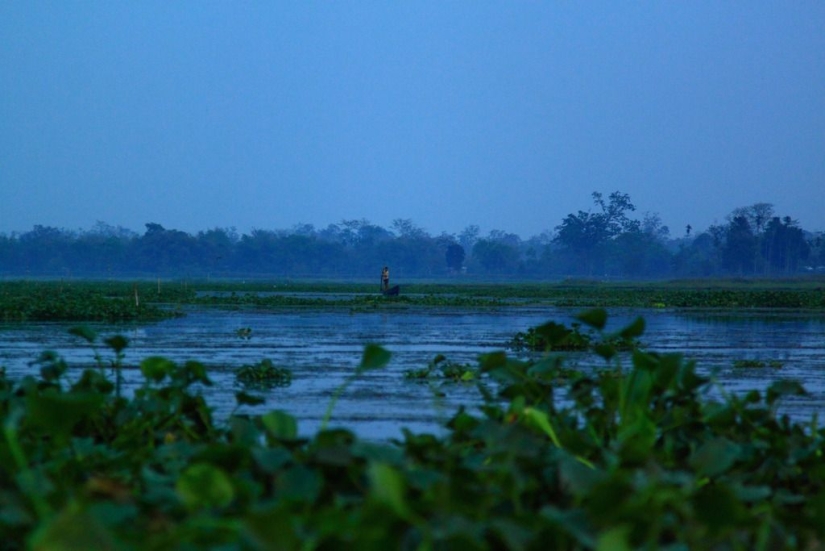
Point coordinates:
pixel 385 279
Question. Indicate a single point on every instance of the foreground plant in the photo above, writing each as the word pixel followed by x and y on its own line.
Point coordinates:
pixel 636 456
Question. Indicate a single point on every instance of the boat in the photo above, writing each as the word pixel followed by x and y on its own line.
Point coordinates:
pixel 392 291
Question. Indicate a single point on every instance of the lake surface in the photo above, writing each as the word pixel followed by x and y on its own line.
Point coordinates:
pixel 323 347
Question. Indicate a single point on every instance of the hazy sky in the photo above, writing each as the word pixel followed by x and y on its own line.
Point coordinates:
pixel 503 114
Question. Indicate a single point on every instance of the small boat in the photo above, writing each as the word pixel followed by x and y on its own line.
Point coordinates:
pixel 392 291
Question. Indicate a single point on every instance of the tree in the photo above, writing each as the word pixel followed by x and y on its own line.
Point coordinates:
pixel 455 257
pixel 700 258
pixel 404 227
pixel 216 248
pixel 757 215
pixel 585 234
pixel 740 247
pixel 103 250
pixel 784 245
pixel 47 249
pixel 468 237
pixel 496 257
pixel 640 251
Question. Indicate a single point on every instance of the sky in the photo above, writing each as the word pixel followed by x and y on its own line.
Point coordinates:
pixel 506 115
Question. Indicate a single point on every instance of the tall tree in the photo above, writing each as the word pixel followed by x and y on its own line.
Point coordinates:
pixel 740 247
pixel 784 246
pixel 758 215
pixel 640 250
pixel 496 257
pixel 585 234
pixel 455 257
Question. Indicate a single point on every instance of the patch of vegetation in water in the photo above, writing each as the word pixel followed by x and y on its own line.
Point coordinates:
pixel 440 368
pixel 556 337
pixel 58 301
pixel 149 300
pixel 264 374
pixel 637 457
pixel 753 363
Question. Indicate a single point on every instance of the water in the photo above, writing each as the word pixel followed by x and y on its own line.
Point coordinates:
pixel 323 348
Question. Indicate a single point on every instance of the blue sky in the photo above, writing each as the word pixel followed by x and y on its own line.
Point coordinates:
pixel 507 115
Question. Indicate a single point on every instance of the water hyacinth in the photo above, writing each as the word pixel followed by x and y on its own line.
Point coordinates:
pixel 264 373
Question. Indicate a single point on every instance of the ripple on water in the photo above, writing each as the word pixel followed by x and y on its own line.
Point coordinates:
pixel 323 348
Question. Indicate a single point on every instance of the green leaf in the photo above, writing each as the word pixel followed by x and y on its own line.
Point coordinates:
pixel 637 438
pixel 573 522
pixel 273 530
pixel 73 528
pixel 271 460
pixel 203 485
pixel 280 425
pixel 718 507
pixel 540 420
pixel 84 333
pixel 58 413
pixel 387 487
pixel 715 457
pixel 299 484
pixel 375 357
pixel 596 318
pixel 245 399
pixel 784 387
pixel 93 381
pixel 579 477
pixel 614 539
pixel 156 368
pixel 118 343
pixel 52 366
pixel 512 534
pixel 605 350
pixel 492 361
pixel 635 329
pixel 752 494
pixel 196 371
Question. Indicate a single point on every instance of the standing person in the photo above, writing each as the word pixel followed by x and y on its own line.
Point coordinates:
pixel 385 279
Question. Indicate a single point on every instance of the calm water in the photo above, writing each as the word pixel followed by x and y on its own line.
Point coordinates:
pixel 322 349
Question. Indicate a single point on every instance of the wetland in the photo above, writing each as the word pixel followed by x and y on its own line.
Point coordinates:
pixel 310 416
pixel 318 331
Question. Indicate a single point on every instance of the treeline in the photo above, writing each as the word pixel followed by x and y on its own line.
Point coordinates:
pixel 603 242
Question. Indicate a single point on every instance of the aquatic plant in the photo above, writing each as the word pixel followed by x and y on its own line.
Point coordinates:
pixel 555 337
pixel 264 373
pixel 441 368
pixel 637 456
pixel 150 300
pixel 78 302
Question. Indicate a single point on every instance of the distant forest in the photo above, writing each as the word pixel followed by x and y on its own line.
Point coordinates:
pixel 605 241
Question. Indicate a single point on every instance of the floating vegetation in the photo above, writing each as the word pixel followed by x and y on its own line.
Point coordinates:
pixel 264 373
pixel 80 301
pixel 443 369
pixel 556 337
pixel 774 364
pixel 149 300
pixel 551 336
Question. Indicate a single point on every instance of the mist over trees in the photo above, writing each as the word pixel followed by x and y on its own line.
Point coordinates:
pixel 606 241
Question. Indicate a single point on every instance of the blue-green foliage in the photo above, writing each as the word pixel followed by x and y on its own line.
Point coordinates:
pixel 602 240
